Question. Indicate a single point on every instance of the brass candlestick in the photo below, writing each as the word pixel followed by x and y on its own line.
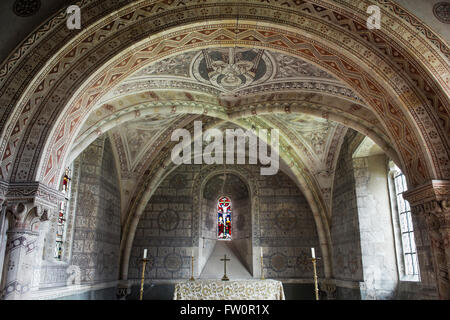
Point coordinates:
pixel 316 286
pixel 192 266
pixel 144 262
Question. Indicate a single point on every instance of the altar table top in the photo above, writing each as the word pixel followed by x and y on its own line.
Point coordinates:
pixel 229 290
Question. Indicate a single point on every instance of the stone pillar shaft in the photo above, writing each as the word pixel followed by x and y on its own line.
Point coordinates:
pixel 19 259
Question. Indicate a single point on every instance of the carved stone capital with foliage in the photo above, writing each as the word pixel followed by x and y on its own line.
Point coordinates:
pixel 28 204
pixel 432 201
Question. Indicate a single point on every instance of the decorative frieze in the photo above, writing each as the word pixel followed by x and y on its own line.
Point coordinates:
pixel 431 199
pixel 29 202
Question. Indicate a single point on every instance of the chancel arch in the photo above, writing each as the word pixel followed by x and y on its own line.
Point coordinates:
pixel 343 70
pixel 163 165
pixel 310 68
pixel 120 67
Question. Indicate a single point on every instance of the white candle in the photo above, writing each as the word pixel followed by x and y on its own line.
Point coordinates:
pixel 313 253
pixel 261 252
pixel 145 253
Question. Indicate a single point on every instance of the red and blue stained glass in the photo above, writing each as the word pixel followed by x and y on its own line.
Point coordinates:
pixel 224 219
pixel 61 226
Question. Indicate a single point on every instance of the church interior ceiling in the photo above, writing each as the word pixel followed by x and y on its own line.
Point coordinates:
pixel 233 78
pixel 141 69
pixel 226 81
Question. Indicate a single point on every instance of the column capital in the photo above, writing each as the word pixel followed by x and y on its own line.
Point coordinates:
pixel 433 199
pixel 3 191
pixel 29 203
pixel 435 190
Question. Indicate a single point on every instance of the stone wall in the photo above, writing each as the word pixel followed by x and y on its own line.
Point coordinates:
pixel 97 228
pixel 347 263
pixel 362 227
pixel 93 226
pixel 165 228
pixel 242 231
pixel 277 211
pixel 376 230
pixel 287 229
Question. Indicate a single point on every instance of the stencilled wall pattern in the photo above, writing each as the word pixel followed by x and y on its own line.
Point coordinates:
pixel 165 229
pixel 287 229
pixel 97 229
pixel 345 237
pixel 93 230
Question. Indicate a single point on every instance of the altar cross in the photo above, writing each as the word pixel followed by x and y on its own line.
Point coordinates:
pixel 225 278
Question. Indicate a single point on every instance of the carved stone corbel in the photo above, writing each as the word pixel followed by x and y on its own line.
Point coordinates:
pixel 27 216
pixel 3 191
pixel 28 204
pixel 122 291
pixel 329 287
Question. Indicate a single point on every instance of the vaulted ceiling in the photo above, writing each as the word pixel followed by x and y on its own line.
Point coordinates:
pixel 24 16
pixel 135 73
pixel 225 82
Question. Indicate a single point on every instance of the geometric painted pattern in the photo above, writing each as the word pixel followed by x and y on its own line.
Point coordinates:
pixel 438 157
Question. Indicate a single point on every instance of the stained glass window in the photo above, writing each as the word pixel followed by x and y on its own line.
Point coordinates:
pixel 406 226
pixel 224 219
pixel 62 216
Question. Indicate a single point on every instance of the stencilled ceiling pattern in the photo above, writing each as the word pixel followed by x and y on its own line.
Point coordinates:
pixel 317 141
pixel 232 79
pixel 139 136
pixel 315 133
pixel 232 73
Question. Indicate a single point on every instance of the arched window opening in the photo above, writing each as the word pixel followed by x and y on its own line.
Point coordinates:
pixel 62 216
pixel 224 211
pixel 405 226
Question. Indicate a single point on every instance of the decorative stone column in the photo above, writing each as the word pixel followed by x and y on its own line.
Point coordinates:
pixel 28 205
pixel 430 208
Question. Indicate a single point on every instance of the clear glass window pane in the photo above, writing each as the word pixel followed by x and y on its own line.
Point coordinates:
pixel 403 223
pixel 408 208
pixel 400 204
pixel 406 243
pixel 408 264
pixel 415 263
pixel 406 226
pixel 410 224
pixel 413 243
